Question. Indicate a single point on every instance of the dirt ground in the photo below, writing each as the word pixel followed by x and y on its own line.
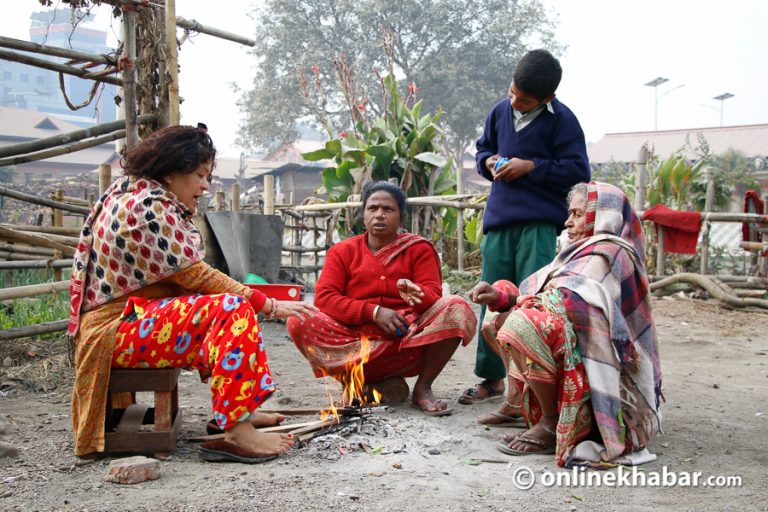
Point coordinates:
pixel 715 364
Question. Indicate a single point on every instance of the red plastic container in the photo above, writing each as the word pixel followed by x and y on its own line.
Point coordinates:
pixel 279 291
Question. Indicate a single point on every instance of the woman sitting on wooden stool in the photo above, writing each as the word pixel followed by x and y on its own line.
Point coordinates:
pixel 141 297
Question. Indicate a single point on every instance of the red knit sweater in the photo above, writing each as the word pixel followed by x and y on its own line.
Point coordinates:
pixel 353 281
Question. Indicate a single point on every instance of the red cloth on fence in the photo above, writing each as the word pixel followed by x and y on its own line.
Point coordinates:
pixel 752 204
pixel 681 229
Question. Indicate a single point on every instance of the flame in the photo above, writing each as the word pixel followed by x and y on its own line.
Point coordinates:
pixel 353 382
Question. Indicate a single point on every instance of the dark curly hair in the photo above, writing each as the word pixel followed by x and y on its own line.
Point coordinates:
pixel 170 150
pixel 383 186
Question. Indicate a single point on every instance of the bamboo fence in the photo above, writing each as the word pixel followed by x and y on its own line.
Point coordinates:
pixel 23 247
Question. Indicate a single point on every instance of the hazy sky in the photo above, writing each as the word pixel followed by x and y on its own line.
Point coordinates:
pixel 614 47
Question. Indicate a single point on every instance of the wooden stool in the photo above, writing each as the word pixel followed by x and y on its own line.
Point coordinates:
pixel 140 428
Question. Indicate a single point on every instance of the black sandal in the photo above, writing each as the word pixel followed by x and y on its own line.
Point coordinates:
pixel 470 395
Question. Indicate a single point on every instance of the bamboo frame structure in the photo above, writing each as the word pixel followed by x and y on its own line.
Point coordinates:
pixel 65 138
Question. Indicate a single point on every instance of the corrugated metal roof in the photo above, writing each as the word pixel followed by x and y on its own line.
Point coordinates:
pixel 752 140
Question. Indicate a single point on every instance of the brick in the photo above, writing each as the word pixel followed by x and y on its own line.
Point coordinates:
pixel 133 470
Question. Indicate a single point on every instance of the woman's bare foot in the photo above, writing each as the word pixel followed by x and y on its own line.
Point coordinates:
pixel 258 443
pixel 265 419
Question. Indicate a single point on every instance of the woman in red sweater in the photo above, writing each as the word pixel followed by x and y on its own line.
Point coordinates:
pixel 384 286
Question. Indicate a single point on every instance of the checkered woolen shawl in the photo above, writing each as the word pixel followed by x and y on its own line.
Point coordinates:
pixel 608 301
pixel 138 233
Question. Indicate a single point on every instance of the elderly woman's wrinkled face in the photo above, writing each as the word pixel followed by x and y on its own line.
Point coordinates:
pixel 577 218
pixel 381 215
pixel 189 187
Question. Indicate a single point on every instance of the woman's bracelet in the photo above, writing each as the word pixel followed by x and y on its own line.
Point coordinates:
pixel 375 312
pixel 273 312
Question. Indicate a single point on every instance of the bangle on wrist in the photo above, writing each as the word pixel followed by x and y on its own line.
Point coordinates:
pixel 375 312
pixel 273 312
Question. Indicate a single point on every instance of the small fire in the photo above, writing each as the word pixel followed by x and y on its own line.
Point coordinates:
pixel 355 393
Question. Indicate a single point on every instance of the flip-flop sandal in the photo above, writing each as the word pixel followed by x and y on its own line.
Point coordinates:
pixel 545 448
pixel 224 451
pixel 440 412
pixel 470 397
pixel 504 421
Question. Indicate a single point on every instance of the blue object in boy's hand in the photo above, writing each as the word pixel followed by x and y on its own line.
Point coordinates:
pixel 501 161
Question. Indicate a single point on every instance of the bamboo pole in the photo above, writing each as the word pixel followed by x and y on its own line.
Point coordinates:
pixel 58 222
pixel 105 178
pixel 641 178
pixel 269 195
pixel 13 248
pixel 18 44
pixel 197 27
pixel 172 62
pixel 660 252
pixel 129 79
pixel 61 150
pixel 708 205
pixel 753 218
pixel 416 201
pixel 43 229
pixel 460 215
pixel 218 201
pixel 21 256
pixel 73 200
pixel 33 289
pixel 29 198
pixel 65 138
pixel 26 264
pixel 62 239
pixel 235 197
pixel 33 330
pixel 55 66
pixel 9 234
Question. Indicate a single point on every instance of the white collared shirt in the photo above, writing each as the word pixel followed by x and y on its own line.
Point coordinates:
pixel 523 120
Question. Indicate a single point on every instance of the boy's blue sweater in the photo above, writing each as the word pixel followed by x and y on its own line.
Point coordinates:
pixel 555 143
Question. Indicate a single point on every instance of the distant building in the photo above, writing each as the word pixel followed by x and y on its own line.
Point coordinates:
pixel 623 148
pixel 27 87
pixel 18 126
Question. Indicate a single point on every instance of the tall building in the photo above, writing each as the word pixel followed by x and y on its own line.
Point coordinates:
pixel 28 87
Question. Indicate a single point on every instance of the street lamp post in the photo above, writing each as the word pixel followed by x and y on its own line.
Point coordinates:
pixel 721 99
pixel 655 83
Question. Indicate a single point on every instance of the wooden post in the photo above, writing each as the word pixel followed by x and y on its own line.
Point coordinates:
pixel 641 178
pixel 460 214
pixel 129 79
pixel 172 62
pixel 296 256
pixel 58 222
pixel 105 178
pixel 660 252
pixel 269 194
pixel 235 197
pixel 219 202
pixel 163 118
pixel 708 205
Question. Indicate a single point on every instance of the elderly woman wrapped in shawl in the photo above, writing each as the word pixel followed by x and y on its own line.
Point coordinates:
pixel 143 298
pixel 380 297
pixel 579 340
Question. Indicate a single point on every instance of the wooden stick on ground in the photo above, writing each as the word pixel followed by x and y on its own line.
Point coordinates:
pixel 287 428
